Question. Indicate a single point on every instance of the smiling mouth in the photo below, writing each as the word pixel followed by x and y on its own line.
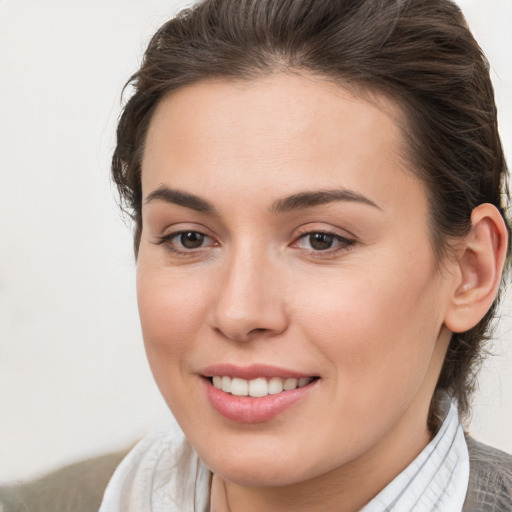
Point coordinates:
pixel 258 387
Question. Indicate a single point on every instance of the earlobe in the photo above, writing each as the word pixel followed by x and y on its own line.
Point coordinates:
pixel 480 261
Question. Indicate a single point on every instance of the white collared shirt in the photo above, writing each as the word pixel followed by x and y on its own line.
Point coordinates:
pixel 163 474
pixel 436 480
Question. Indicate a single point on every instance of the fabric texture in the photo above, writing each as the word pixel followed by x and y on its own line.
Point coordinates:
pixel 75 488
pixel 161 474
pixel 490 479
pixel 164 474
pixel 80 487
pixel 437 479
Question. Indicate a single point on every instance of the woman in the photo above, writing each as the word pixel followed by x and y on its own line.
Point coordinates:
pixel 260 272
pixel 317 189
pixel 326 260
pixel 318 193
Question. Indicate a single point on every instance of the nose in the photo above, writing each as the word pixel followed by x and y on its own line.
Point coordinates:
pixel 250 298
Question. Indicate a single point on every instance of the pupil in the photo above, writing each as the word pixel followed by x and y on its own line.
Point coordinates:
pixel 191 239
pixel 321 241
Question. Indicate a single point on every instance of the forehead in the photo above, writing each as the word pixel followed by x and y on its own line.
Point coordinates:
pixel 282 130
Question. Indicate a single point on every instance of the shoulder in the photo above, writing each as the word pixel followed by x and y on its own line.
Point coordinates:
pixel 162 473
pixel 490 479
pixel 162 468
pixel 78 486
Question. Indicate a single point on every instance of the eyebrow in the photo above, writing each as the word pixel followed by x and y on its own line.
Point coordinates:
pixel 304 200
pixel 300 201
pixel 180 198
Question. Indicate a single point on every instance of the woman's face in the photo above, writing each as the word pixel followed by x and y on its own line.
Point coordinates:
pixel 286 242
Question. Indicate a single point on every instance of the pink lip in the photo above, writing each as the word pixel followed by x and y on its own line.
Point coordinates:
pixel 251 372
pixel 247 409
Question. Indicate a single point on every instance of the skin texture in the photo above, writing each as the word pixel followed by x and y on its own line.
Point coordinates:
pixel 367 316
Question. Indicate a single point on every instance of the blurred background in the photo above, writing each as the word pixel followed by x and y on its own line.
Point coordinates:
pixel 74 381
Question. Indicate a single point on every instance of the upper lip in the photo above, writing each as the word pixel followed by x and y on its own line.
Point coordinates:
pixel 252 371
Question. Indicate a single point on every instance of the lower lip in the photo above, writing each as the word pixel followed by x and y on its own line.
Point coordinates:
pixel 246 409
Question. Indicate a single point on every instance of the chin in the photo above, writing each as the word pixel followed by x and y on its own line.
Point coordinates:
pixel 257 474
pixel 256 466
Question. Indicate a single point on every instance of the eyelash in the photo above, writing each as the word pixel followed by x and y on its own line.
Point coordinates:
pixel 345 244
pixel 167 242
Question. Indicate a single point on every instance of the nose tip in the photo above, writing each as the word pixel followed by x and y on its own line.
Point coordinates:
pixel 249 304
pixel 241 328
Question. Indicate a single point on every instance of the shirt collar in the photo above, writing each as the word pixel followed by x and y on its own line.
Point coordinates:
pixel 163 474
pixel 437 480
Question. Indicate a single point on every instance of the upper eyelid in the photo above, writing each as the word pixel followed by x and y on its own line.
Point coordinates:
pixel 336 236
pixel 175 229
pixel 331 230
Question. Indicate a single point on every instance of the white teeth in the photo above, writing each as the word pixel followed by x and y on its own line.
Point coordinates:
pixel 258 387
pixel 226 384
pixel 239 387
pixel 290 384
pixel 275 385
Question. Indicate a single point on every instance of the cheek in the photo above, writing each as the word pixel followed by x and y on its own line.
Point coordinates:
pixel 376 330
pixel 172 310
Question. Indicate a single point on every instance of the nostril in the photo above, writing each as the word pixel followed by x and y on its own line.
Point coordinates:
pixel 259 330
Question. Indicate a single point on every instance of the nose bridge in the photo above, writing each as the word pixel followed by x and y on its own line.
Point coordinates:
pixel 248 298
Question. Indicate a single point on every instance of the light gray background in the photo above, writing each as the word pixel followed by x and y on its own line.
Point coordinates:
pixel 74 381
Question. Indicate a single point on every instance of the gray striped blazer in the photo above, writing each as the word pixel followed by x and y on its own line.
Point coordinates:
pixel 490 479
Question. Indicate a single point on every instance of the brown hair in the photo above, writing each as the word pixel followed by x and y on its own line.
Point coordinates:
pixel 418 52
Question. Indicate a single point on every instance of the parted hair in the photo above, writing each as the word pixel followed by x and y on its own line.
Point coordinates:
pixel 419 53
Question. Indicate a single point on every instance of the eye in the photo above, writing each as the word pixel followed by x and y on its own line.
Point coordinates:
pixel 186 241
pixel 320 241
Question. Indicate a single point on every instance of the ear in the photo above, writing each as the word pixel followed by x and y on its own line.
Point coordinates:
pixel 480 262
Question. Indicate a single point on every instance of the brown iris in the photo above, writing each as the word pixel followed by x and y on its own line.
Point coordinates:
pixel 191 239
